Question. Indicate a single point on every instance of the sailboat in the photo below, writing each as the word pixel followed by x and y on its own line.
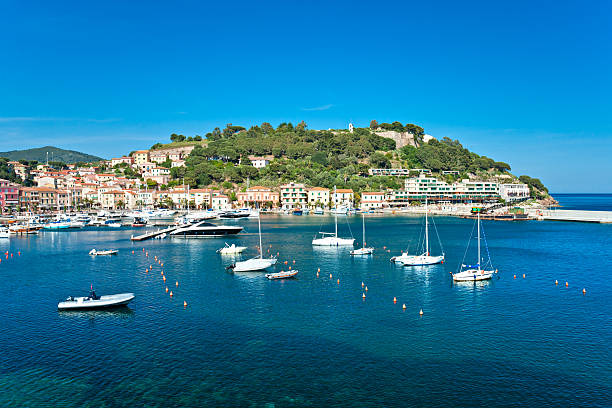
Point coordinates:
pixel 331 238
pixel 474 272
pixel 363 250
pixel 259 263
pixel 425 258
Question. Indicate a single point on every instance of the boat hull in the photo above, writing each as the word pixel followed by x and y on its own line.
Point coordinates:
pixel 421 260
pixel 255 264
pixel 472 275
pixel 333 241
pixel 106 301
pixel 282 275
pixel 362 251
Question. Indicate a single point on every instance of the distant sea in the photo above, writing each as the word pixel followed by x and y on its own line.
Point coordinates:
pixel 592 202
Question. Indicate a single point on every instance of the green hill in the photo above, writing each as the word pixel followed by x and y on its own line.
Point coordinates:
pixel 55 154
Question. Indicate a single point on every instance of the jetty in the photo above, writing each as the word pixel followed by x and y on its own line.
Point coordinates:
pixel 602 217
pixel 153 234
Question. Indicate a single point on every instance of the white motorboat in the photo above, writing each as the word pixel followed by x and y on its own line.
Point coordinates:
pixel 113 225
pixel 425 258
pixel 318 211
pixel 259 263
pixel 95 252
pixel 4 233
pixel 282 274
pixel 205 229
pixel 363 250
pixel 476 272
pixel 231 249
pixel 331 238
pixel 95 302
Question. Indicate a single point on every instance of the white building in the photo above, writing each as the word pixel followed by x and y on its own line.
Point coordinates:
pixel 318 196
pixel 293 195
pixel 514 192
pixel 372 200
pixel 343 197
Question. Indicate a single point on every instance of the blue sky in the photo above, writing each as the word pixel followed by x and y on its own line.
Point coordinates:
pixel 523 82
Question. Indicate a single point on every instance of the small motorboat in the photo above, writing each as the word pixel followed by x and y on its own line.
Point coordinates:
pixel 282 274
pixel 95 252
pixel 362 251
pixel 231 249
pixel 95 302
pixel 113 225
pixel 4 233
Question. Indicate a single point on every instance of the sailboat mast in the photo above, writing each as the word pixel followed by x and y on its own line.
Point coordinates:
pixel 336 210
pixel 363 221
pixel 260 248
pixel 426 229
pixel 478 241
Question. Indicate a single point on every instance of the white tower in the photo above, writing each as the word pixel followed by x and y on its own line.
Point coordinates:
pixel 351 128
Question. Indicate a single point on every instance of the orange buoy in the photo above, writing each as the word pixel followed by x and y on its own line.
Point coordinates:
pixel 162 264
pixel 146 270
pixel 363 295
pixel 142 249
pixel 523 276
pixel 171 294
pixel 584 291
pixel 286 262
pixel 132 251
pixel 385 247
pixel 421 312
pixel 394 299
pixel 19 253
pixel 289 268
pixel 162 272
pixel 366 288
pixel 184 303
pixel 338 281
pixel 566 284
pixel 166 289
pixel 164 278
pixel 317 274
pixel 177 284
pixel 404 306
pixel 330 276
pixel 556 282
pixel 514 276
pixel 294 261
pixel 318 269
pixel 362 284
pixel 150 266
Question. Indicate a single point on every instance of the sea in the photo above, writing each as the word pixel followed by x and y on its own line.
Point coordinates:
pixel 528 337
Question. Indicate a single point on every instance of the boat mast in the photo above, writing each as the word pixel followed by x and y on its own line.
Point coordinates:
pixel 479 241
pixel 336 210
pixel 260 247
pixel 363 221
pixel 426 230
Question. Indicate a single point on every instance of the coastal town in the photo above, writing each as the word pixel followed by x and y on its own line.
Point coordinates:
pixel 97 186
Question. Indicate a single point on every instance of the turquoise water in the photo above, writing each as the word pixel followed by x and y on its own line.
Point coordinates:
pixel 247 341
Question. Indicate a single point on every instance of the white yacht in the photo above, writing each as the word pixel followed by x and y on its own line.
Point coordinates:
pixel 204 229
pixel 4 232
pixel 259 263
pixel 231 249
pixel 476 272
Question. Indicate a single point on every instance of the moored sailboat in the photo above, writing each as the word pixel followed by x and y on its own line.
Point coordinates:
pixel 259 263
pixel 425 258
pixel 363 250
pixel 475 272
pixel 331 238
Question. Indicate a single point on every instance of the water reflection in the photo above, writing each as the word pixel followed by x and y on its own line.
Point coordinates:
pixel 121 312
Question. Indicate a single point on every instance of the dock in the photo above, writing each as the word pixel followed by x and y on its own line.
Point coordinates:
pixel 153 234
pixel 602 217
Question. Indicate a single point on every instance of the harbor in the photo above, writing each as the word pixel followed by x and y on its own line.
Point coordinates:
pixel 194 326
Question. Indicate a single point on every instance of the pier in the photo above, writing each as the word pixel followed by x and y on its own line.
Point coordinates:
pixel 153 234
pixel 602 217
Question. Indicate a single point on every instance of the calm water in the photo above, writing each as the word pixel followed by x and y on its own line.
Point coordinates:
pixel 247 341
pixel 591 202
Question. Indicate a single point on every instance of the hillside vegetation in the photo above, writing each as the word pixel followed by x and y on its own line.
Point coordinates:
pixel 55 154
pixel 325 157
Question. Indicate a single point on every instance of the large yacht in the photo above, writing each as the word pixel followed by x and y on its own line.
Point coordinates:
pixel 204 229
